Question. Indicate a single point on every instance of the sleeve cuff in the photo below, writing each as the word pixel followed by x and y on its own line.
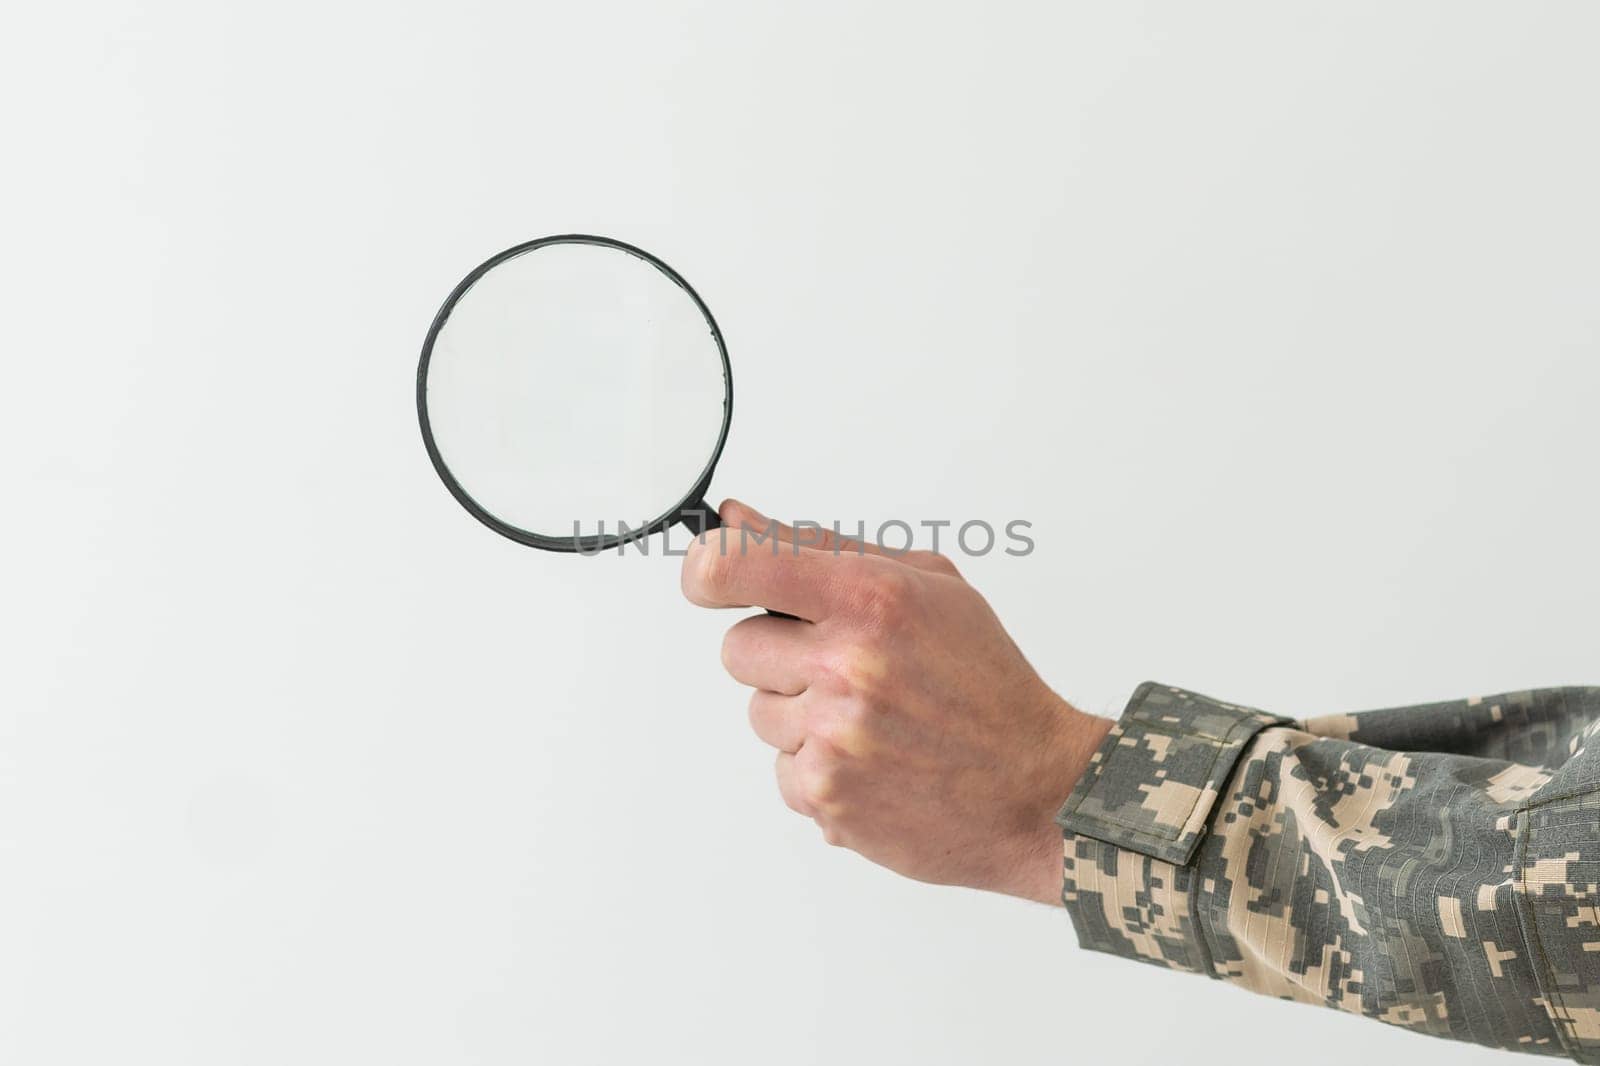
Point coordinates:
pixel 1151 786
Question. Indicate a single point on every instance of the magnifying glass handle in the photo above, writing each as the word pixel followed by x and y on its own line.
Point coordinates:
pixel 704 517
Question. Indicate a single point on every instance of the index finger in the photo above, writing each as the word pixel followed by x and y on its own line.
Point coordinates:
pixel 724 569
pixel 810 534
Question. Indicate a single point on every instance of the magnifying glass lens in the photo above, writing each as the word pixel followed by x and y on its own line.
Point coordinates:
pixel 574 390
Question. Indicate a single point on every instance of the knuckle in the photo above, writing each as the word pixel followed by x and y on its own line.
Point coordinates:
pixel 716 569
pixel 689 572
pixel 693 575
pixel 859 713
pixel 820 789
pixel 857 670
pixel 841 731
pixel 883 595
pixel 833 673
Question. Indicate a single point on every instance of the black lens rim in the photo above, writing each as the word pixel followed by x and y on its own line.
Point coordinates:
pixel 691 511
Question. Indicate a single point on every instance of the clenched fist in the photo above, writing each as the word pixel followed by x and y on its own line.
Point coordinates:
pixel 908 725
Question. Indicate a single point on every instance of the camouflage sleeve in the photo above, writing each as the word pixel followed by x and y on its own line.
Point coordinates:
pixel 1434 867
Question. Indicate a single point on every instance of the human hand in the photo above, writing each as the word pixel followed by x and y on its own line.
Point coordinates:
pixel 908 725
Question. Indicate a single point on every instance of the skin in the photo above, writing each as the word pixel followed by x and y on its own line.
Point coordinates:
pixel 907 724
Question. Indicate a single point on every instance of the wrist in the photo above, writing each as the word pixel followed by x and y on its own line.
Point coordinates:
pixel 1064 758
pixel 1086 732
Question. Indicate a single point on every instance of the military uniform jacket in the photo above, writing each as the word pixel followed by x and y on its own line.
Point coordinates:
pixel 1434 867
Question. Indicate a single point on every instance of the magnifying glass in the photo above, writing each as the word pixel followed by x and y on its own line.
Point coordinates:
pixel 574 394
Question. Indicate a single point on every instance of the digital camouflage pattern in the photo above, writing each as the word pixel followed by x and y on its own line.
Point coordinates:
pixel 1435 867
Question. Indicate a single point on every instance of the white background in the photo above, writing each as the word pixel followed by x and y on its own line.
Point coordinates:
pixel 1279 321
